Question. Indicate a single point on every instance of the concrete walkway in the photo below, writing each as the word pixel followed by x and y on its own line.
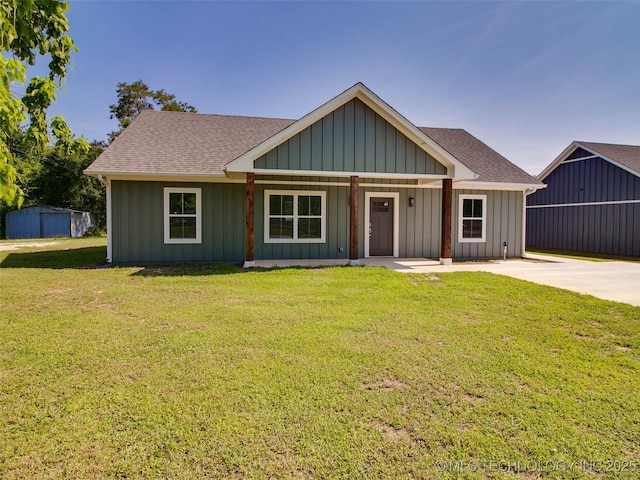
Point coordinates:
pixel 609 280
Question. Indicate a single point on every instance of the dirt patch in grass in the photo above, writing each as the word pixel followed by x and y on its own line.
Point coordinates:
pixel 423 279
pixel 15 246
pixel 623 348
pixel 473 398
pixel 386 384
pixel 391 432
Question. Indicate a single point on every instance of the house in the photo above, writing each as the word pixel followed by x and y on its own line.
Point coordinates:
pixel 47 222
pixel 591 203
pixel 352 179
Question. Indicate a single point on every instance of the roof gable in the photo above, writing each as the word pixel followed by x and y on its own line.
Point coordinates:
pixel 456 169
pixel 626 157
pixel 352 139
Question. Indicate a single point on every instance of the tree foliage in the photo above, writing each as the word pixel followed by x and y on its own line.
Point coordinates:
pixel 28 29
pixel 54 175
pixel 135 97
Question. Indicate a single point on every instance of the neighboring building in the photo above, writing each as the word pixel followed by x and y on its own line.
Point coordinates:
pixel 591 203
pixel 351 179
pixel 47 222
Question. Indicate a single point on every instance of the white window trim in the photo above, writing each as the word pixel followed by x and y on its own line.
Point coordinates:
pixel 396 219
pixel 198 215
pixel 296 193
pixel 461 199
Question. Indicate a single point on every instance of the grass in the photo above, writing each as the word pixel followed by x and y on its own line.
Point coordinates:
pixel 309 373
pixel 79 253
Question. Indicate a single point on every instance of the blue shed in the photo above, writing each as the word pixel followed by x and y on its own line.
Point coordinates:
pixel 47 222
pixel 591 203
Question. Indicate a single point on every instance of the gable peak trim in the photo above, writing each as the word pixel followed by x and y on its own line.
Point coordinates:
pixel 587 146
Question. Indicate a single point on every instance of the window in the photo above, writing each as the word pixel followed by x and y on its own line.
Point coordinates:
pixel 182 215
pixel 473 222
pixel 294 217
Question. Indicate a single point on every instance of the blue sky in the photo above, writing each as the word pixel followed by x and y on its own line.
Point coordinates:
pixel 525 78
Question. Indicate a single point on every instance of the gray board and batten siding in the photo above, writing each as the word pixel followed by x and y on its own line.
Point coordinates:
pixel 504 224
pixel 419 226
pixel 577 224
pixel 138 218
pixel 138 223
pixel 352 138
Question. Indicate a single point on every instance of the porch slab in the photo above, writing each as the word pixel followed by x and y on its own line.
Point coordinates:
pixel 400 264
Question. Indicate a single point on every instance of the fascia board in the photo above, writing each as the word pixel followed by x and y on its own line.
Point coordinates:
pixel 332 173
pixel 244 163
pixel 152 176
pixel 474 185
pixel 557 161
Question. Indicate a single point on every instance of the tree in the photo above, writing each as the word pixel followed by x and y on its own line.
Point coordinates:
pixel 29 28
pixel 135 97
pixel 59 181
pixel 54 175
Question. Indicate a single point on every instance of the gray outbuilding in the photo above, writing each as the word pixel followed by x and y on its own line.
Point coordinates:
pixel 47 222
pixel 591 203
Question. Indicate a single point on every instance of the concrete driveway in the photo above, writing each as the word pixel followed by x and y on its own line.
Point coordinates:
pixel 609 280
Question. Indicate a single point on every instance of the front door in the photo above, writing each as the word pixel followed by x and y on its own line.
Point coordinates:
pixel 381 227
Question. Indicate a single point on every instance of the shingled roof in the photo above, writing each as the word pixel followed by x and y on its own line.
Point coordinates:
pixel 626 155
pixel 184 144
pixel 478 157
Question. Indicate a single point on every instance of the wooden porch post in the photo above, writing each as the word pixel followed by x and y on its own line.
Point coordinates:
pixel 249 234
pixel 353 221
pixel 445 233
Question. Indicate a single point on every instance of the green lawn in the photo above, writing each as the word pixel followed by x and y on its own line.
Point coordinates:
pixel 308 373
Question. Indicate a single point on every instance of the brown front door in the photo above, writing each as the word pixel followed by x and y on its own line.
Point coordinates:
pixel 381 227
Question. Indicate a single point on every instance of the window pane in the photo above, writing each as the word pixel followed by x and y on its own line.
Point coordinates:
pixel 189 203
pixel 381 206
pixel 309 228
pixel 472 229
pixel 315 205
pixel 467 207
pixel 309 205
pixel 281 205
pixel 275 205
pixel 175 203
pixel 477 208
pixel 182 227
pixel 281 228
pixel 303 205
pixel 472 208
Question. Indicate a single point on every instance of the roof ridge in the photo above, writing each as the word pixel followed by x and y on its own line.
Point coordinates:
pixel 445 128
pixel 164 112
